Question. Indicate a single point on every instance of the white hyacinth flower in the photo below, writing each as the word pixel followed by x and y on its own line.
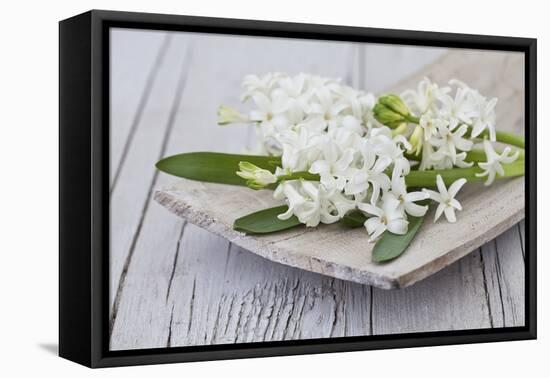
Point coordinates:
pixel 254 84
pixel 486 118
pixel 311 203
pixel 422 99
pixel 482 115
pixel 267 107
pixel 334 165
pixel 370 173
pixel 300 149
pixel 451 139
pixel 461 107
pixel 493 165
pixel 385 144
pixel 407 200
pixel 389 216
pixel 446 198
pixel 327 109
pixel 430 125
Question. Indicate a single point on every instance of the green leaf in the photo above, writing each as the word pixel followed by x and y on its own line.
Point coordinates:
pixel 391 245
pixel 214 166
pixel 354 219
pixel 265 221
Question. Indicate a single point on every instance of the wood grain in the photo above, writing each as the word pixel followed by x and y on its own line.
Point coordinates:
pixel 183 285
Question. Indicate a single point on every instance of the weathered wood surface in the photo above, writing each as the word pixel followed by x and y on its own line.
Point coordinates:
pixel 175 284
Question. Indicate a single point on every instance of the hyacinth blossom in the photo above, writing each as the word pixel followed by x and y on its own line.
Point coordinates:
pixel 332 152
pixel 361 148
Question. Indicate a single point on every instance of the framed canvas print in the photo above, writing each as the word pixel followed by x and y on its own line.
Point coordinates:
pixel 234 188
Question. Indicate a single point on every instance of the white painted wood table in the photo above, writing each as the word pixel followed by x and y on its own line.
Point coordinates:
pixel 174 284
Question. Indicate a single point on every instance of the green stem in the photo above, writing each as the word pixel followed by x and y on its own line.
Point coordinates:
pixel 302 175
pixel 475 155
pixel 508 138
pixel 412 118
pixel 425 179
pixel 299 175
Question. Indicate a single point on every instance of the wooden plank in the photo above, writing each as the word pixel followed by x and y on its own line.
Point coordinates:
pixel 399 62
pixel 504 269
pixel 452 299
pixel 438 302
pixel 130 197
pixel 241 298
pixel 136 57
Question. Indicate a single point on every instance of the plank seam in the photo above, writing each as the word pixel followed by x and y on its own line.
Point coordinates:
pixel 227 258
pixel 486 289
pixel 191 306
pixel 169 340
pixel 499 272
pixel 335 313
pixel 521 242
pixel 217 321
pixel 175 262
pixel 371 311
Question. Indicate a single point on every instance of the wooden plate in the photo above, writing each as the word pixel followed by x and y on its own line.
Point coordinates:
pixel 346 254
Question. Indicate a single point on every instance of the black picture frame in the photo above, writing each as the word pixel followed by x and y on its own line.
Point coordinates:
pixel 84 199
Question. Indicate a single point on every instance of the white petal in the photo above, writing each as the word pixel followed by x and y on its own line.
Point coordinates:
pixel 344 161
pixel 381 164
pixel 439 211
pixel 262 101
pixel 398 226
pixel 450 214
pixel 416 196
pixel 433 195
pixel 320 166
pixel 377 232
pixel 415 210
pixel 454 203
pixel 455 187
pixel 370 209
pixel 499 169
pixel 372 224
pixel 287 214
pixel 463 144
pixel 441 186
pixel 490 178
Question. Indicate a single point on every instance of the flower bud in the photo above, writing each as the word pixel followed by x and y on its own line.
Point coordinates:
pixel 227 115
pixel 394 103
pixel 387 116
pixel 256 177
pixel 391 111
pixel 416 140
